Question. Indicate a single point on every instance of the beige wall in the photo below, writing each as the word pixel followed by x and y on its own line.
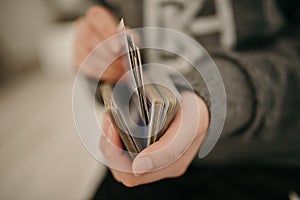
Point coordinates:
pixel 22 24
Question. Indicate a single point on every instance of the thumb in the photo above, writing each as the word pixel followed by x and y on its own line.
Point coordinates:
pixel 177 139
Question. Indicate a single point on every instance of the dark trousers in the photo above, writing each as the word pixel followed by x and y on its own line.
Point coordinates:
pixel 226 182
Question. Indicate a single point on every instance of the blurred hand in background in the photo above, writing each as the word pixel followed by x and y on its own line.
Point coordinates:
pixel 98 25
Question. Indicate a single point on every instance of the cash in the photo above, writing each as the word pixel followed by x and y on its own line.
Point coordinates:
pixel 141 112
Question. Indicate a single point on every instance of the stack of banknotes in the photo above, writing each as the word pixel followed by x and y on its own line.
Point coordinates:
pixel 143 106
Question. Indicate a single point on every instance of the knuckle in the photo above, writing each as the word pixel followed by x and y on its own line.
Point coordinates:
pixel 179 172
pixel 97 11
pixel 126 181
pixel 116 177
pixel 94 11
pixel 129 183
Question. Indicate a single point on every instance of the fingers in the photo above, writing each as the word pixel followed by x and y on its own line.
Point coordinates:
pixel 114 71
pixel 176 169
pixel 80 45
pixel 102 21
pixel 102 68
pixel 177 139
pixel 106 122
pixel 98 25
pixel 112 148
pixel 87 35
pixel 158 152
pixel 109 131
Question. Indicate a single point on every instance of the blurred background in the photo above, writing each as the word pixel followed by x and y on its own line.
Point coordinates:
pixel 40 152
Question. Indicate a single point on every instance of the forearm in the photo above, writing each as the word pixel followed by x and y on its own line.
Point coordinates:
pixel 262 101
pixel 272 78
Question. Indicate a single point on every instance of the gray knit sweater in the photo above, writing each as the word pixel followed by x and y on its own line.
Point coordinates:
pixel 261 73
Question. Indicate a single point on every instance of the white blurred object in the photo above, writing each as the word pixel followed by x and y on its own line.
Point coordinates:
pixel 20 22
pixel 55 49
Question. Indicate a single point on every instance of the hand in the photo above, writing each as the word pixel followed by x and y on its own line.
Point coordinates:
pixel 169 157
pixel 98 25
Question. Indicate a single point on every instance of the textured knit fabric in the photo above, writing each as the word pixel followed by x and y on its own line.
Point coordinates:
pixel 261 74
pixel 261 77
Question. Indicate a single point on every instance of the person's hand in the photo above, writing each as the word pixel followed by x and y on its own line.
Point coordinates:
pixel 98 25
pixel 169 157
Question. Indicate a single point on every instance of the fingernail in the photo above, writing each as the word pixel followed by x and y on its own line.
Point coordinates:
pixel 142 165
